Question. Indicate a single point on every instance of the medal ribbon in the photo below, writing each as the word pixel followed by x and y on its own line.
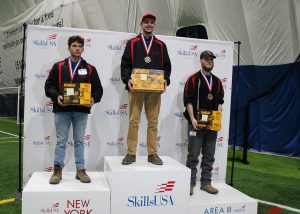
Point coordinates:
pixel 209 85
pixel 145 44
pixel 71 71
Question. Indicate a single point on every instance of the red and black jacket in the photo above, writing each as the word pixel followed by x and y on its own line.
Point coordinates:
pixel 60 73
pixel 190 94
pixel 134 54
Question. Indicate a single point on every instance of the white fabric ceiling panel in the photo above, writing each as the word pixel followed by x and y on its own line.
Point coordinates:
pixel 270 31
pixel 226 21
pixel 12 8
pixel 162 10
pixel 114 15
pixel 295 11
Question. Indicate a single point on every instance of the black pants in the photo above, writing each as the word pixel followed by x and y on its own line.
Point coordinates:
pixel 203 141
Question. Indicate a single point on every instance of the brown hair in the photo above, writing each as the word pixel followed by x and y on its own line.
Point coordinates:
pixel 73 39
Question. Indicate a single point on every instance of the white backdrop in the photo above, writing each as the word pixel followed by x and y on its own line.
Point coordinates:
pixel 108 123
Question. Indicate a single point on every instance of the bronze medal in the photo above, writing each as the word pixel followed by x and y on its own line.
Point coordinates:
pixel 209 85
pixel 147 59
pixel 148 47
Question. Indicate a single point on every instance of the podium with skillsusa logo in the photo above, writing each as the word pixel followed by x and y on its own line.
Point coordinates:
pixel 227 201
pixel 70 196
pixel 137 188
pixel 141 187
pixel 145 188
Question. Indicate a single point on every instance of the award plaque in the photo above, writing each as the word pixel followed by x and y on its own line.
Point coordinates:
pixel 209 119
pixel 77 93
pixel 148 80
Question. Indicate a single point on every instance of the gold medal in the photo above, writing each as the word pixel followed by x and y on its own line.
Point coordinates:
pixel 210 96
pixel 147 59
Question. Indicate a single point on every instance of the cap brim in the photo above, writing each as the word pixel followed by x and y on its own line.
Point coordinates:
pixel 148 16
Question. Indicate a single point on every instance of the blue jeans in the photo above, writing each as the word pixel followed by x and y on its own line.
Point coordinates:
pixel 63 122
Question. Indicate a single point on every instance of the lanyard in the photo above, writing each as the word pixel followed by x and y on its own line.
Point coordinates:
pixel 145 44
pixel 71 70
pixel 208 84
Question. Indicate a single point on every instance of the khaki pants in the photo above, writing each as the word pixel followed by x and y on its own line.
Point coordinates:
pixel 152 107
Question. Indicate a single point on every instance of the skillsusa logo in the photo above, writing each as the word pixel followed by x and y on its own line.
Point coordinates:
pixel 161 197
pixel 181 83
pixel 49 41
pixel 215 171
pixel 220 142
pixel 183 144
pixel 224 83
pixel 117 113
pixel 241 209
pixel 42 75
pixel 179 115
pixel 88 43
pixel 221 54
pixel 42 142
pixel 115 80
pixel 48 169
pixel 118 143
pixel 117 47
pixel 46 108
pixel 193 47
pixel 86 141
pixel 165 187
pixel 193 51
pixel 189 52
pixel 144 145
pixel 52 36
pixel 54 208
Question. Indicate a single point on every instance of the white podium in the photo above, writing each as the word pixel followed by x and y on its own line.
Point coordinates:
pixel 228 200
pixel 70 196
pixel 146 188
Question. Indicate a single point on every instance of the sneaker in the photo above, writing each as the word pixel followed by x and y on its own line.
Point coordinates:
pixel 57 175
pixel 209 188
pixel 191 189
pixel 82 176
pixel 128 159
pixel 155 159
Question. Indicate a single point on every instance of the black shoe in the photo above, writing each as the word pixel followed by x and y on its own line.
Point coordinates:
pixel 155 159
pixel 128 159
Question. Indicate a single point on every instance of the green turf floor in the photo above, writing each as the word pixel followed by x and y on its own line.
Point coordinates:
pixel 267 177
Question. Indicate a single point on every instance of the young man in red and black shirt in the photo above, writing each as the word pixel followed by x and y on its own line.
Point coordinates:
pixel 146 52
pixel 203 90
pixel 73 69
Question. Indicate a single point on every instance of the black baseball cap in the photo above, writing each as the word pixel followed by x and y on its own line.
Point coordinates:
pixel 206 54
pixel 148 15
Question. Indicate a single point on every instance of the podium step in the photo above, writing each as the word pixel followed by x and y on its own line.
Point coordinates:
pixel 228 200
pixel 69 196
pixel 141 187
pixel 146 188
